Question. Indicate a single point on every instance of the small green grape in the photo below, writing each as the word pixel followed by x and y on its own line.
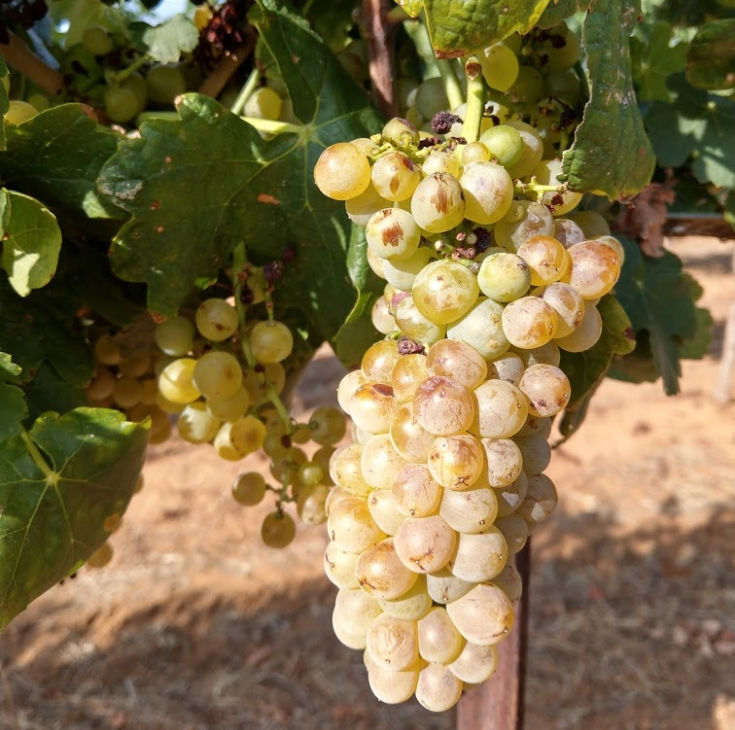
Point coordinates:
pixel 175 336
pixel 216 319
pixel 249 488
pixel 272 342
pixel 264 103
pixel 327 425
pixel 97 40
pixel 165 82
pixel 121 104
pixel 278 529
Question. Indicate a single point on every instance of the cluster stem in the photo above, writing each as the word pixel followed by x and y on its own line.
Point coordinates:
pixel 475 100
pixel 239 267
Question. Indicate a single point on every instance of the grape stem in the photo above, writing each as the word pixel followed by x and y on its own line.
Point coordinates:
pixel 119 76
pixel 223 72
pixel 397 15
pixel 535 187
pixel 239 268
pixel 452 87
pixel 246 92
pixel 23 59
pixel 475 100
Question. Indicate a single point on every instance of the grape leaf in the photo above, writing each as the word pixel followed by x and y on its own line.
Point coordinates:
pixel 58 484
pixel 333 21
pixel 357 333
pixel 13 410
pixel 43 159
pixel 711 57
pixel 611 153
pixel 31 241
pixel 411 7
pixel 586 370
pixel 697 124
pixel 167 41
pixel 9 371
pixel 40 328
pixel 199 185
pixel 730 208
pixel 48 392
pixel 654 59
pixel 660 299
pixel 457 27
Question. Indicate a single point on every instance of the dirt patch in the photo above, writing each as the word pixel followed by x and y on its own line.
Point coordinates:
pixel 195 625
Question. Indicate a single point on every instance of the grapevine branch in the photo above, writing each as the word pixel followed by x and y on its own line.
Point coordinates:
pixel 379 33
pixel 23 59
pixel 217 80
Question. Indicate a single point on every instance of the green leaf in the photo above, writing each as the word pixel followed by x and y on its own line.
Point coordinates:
pixel 660 299
pixel 85 273
pixel 167 41
pixel 654 59
pixel 458 27
pixel 556 11
pixel 697 124
pixel 13 407
pixel 730 208
pixel 611 153
pixel 49 392
pixel 711 58
pixel 714 153
pixel 44 159
pixel 333 20
pixel 412 7
pixel 41 328
pixel 586 370
pixel 9 371
pixel 58 484
pixel 31 241
pixel 357 333
pixel 696 347
pixel 13 410
pixel 199 185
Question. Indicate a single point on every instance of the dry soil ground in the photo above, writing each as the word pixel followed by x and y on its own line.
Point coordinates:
pixel 195 625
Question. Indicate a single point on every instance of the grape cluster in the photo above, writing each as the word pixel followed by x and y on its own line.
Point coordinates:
pixel 489 276
pixel 223 30
pixel 223 382
pixel 125 378
pixel 220 378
